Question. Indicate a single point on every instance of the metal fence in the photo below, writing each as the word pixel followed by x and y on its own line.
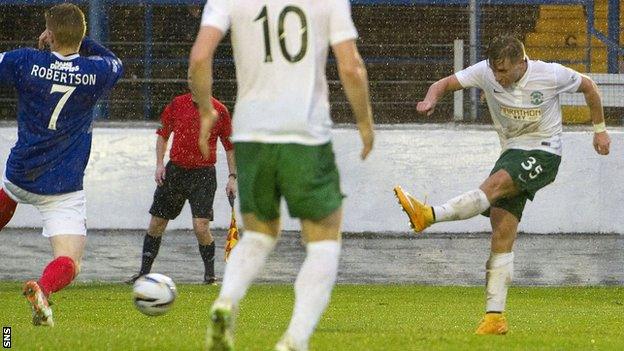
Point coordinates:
pixel 406 44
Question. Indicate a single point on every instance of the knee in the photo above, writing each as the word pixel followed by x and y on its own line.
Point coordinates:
pixel 157 226
pixel 202 230
pixel 253 223
pixel 327 228
pixel 201 226
pixel 492 190
pixel 498 185
pixel 204 236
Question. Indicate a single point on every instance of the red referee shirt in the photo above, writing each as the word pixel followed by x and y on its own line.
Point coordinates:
pixel 181 118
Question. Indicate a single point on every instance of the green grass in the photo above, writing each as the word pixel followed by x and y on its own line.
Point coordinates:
pixel 360 317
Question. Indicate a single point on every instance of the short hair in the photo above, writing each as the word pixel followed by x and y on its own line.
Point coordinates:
pixel 68 24
pixel 505 46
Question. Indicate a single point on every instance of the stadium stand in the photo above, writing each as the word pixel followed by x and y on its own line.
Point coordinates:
pixel 560 35
pixel 406 48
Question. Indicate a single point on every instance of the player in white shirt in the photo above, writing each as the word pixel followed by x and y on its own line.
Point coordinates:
pixel 281 131
pixel 523 99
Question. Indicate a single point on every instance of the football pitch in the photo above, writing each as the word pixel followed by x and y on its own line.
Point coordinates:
pixel 93 316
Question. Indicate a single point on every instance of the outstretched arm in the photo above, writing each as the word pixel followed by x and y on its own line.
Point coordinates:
pixel 602 141
pixel 200 77
pixel 436 91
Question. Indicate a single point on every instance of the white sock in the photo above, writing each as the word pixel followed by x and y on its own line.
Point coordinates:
pixel 313 287
pixel 464 206
pixel 246 260
pixel 499 274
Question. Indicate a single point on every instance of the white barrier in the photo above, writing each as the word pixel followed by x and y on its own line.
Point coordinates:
pixel 434 160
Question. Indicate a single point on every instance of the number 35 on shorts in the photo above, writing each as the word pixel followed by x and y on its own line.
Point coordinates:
pixel 533 169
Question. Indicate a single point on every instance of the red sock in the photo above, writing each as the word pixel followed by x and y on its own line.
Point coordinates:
pixel 7 208
pixel 57 274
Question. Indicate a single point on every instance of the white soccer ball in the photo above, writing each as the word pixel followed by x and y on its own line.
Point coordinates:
pixel 154 293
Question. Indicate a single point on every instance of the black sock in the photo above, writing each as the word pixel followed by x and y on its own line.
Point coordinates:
pixel 207 254
pixel 151 244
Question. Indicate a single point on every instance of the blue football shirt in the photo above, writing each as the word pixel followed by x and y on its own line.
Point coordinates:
pixel 56 97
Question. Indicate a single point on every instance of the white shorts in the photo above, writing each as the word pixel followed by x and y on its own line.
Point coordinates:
pixel 61 214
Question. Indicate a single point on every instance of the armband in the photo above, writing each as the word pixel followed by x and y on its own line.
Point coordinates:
pixel 600 127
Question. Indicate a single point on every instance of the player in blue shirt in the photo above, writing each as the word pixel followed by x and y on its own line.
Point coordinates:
pixel 57 92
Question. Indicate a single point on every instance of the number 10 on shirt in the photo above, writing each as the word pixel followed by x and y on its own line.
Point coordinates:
pixel 264 16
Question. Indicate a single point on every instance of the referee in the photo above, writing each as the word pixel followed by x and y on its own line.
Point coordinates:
pixel 187 176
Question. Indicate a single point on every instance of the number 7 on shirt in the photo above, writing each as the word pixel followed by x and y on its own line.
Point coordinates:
pixel 67 91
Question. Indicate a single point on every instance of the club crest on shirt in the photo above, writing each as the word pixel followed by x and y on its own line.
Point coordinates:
pixel 537 97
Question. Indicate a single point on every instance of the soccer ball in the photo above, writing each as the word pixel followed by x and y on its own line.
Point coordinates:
pixel 154 293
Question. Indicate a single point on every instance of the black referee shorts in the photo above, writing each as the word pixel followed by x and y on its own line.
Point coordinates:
pixel 197 185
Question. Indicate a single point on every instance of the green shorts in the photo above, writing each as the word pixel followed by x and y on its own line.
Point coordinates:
pixel 306 176
pixel 530 170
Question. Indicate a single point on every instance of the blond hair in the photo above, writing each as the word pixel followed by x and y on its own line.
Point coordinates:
pixel 67 23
